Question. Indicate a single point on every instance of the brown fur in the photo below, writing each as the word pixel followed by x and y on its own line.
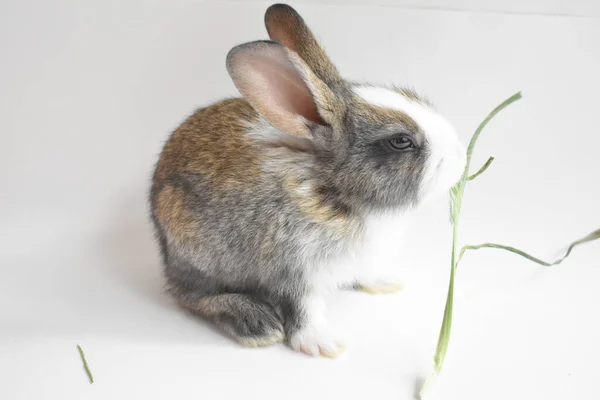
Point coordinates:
pixel 331 107
pixel 170 212
pixel 410 95
pixel 213 143
pixel 286 26
pixel 313 205
pixel 381 115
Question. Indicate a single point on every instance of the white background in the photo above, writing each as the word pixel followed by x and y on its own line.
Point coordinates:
pixel 91 90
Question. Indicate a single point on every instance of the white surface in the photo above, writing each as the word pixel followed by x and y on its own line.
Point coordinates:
pixel 579 8
pixel 89 94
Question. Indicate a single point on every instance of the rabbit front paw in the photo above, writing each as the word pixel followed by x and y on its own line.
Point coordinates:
pixel 316 341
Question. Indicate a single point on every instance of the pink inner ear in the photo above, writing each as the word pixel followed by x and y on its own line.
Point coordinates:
pixel 286 88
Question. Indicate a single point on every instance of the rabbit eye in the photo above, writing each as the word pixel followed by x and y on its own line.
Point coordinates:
pixel 401 143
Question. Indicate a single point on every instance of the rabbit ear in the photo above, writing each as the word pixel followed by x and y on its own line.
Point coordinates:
pixel 280 86
pixel 286 26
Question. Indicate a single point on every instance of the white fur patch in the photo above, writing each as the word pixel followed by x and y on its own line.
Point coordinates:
pixel 263 131
pixel 367 261
pixel 447 159
pixel 315 338
pixel 314 342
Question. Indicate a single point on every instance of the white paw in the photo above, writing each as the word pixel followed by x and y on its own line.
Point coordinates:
pixel 381 286
pixel 314 342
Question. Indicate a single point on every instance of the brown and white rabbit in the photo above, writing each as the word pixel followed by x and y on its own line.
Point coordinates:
pixel 260 202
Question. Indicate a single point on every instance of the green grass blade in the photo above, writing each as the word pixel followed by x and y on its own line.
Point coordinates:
pixel 447 322
pixel 456 194
pixel 482 169
pixel 85 364
pixel 491 115
pixel 444 336
pixel 457 190
pixel 592 236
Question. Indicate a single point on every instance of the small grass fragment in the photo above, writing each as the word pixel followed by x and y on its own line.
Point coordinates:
pixel 592 236
pixel 482 169
pixel 85 364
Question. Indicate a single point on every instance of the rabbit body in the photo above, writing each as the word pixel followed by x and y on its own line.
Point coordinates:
pixel 264 204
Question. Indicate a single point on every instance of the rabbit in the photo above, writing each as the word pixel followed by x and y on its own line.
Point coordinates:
pixel 259 202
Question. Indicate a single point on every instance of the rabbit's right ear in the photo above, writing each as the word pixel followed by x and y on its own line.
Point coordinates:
pixel 281 87
pixel 286 26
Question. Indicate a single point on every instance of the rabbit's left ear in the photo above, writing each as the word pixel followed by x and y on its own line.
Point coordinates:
pixel 281 87
pixel 286 26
